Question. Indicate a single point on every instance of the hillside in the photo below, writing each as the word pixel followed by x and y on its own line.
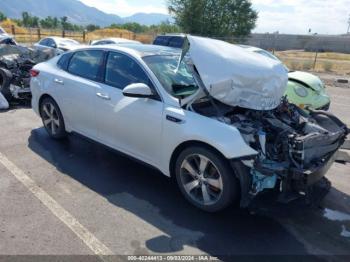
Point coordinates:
pixel 76 11
pixel 148 19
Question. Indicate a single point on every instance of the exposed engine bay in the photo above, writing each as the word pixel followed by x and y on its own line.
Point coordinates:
pixel 295 148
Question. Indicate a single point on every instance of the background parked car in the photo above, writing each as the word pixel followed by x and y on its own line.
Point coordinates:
pixel 15 64
pixel 304 89
pixel 58 43
pixel 112 41
pixel 171 40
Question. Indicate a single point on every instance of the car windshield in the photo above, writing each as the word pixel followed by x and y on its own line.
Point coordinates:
pixel 178 83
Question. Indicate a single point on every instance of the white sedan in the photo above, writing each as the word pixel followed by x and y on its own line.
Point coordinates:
pixel 114 41
pixel 58 44
pixel 216 123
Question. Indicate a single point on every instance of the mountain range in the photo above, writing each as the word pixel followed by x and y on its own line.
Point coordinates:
pixel 76 11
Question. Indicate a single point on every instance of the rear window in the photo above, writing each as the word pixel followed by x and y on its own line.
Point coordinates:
pixel 171 41
pixel 176 41
pixel 44 42
pixel 86 64
pixel 161 40
pixel 64 61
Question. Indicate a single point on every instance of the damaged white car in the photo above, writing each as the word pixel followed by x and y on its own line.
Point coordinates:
pixel 15 65
pixel 213 117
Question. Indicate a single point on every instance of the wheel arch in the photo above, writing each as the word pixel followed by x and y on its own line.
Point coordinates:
pixel 41 99
pixel 181 147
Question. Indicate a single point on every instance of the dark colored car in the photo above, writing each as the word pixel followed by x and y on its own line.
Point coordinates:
pixel 176 41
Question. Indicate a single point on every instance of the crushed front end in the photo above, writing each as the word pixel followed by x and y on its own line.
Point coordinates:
pixel 15 65
pixel 295 149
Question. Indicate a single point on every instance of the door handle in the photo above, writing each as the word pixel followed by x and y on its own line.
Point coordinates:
pixel 58 81
pixel 103 96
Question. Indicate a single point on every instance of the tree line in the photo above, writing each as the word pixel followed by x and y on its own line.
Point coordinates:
pixel 214 17
pixel 50 22
pixel 199 17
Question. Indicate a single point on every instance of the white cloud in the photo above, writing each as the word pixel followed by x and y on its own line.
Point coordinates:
pixel 126 8
pixel 285 16
pixel 297 16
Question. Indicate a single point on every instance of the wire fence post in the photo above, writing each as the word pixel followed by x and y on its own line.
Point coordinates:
pixel 84 36
pixel 13 30
pixel 39 34
pixel 315 60
pixel 30 35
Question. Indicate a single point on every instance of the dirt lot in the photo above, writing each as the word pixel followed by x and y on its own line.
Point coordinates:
pixel 78 198
pixel 325 62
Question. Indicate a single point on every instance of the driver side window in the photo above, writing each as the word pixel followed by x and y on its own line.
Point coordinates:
pixel 121 71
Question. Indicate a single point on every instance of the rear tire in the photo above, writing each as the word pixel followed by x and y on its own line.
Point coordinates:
pixel 206 179
pixel 52 119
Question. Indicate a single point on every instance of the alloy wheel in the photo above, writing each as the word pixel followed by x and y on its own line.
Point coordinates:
pixel 201 179
pixel 50 118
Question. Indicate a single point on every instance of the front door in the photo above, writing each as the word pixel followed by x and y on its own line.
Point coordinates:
pixel 131 125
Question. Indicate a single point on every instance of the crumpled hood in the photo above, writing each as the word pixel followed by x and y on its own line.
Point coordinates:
pixel 236 76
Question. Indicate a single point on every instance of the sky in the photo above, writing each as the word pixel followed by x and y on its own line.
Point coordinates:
pixel 284 16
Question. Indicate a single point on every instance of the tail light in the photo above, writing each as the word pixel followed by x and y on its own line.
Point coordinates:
pixel 34 73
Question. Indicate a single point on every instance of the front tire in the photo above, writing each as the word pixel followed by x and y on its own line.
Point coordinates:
pixel 206 179
pixel 52 119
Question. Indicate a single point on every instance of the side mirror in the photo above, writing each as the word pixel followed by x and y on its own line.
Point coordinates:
pixel 138 90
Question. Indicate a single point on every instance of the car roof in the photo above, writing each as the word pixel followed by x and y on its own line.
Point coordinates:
pixel 139 50
pixel 173 34
pixel 118 40
pixel 59 39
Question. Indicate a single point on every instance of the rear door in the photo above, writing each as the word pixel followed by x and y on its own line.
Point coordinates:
pixel 79 83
